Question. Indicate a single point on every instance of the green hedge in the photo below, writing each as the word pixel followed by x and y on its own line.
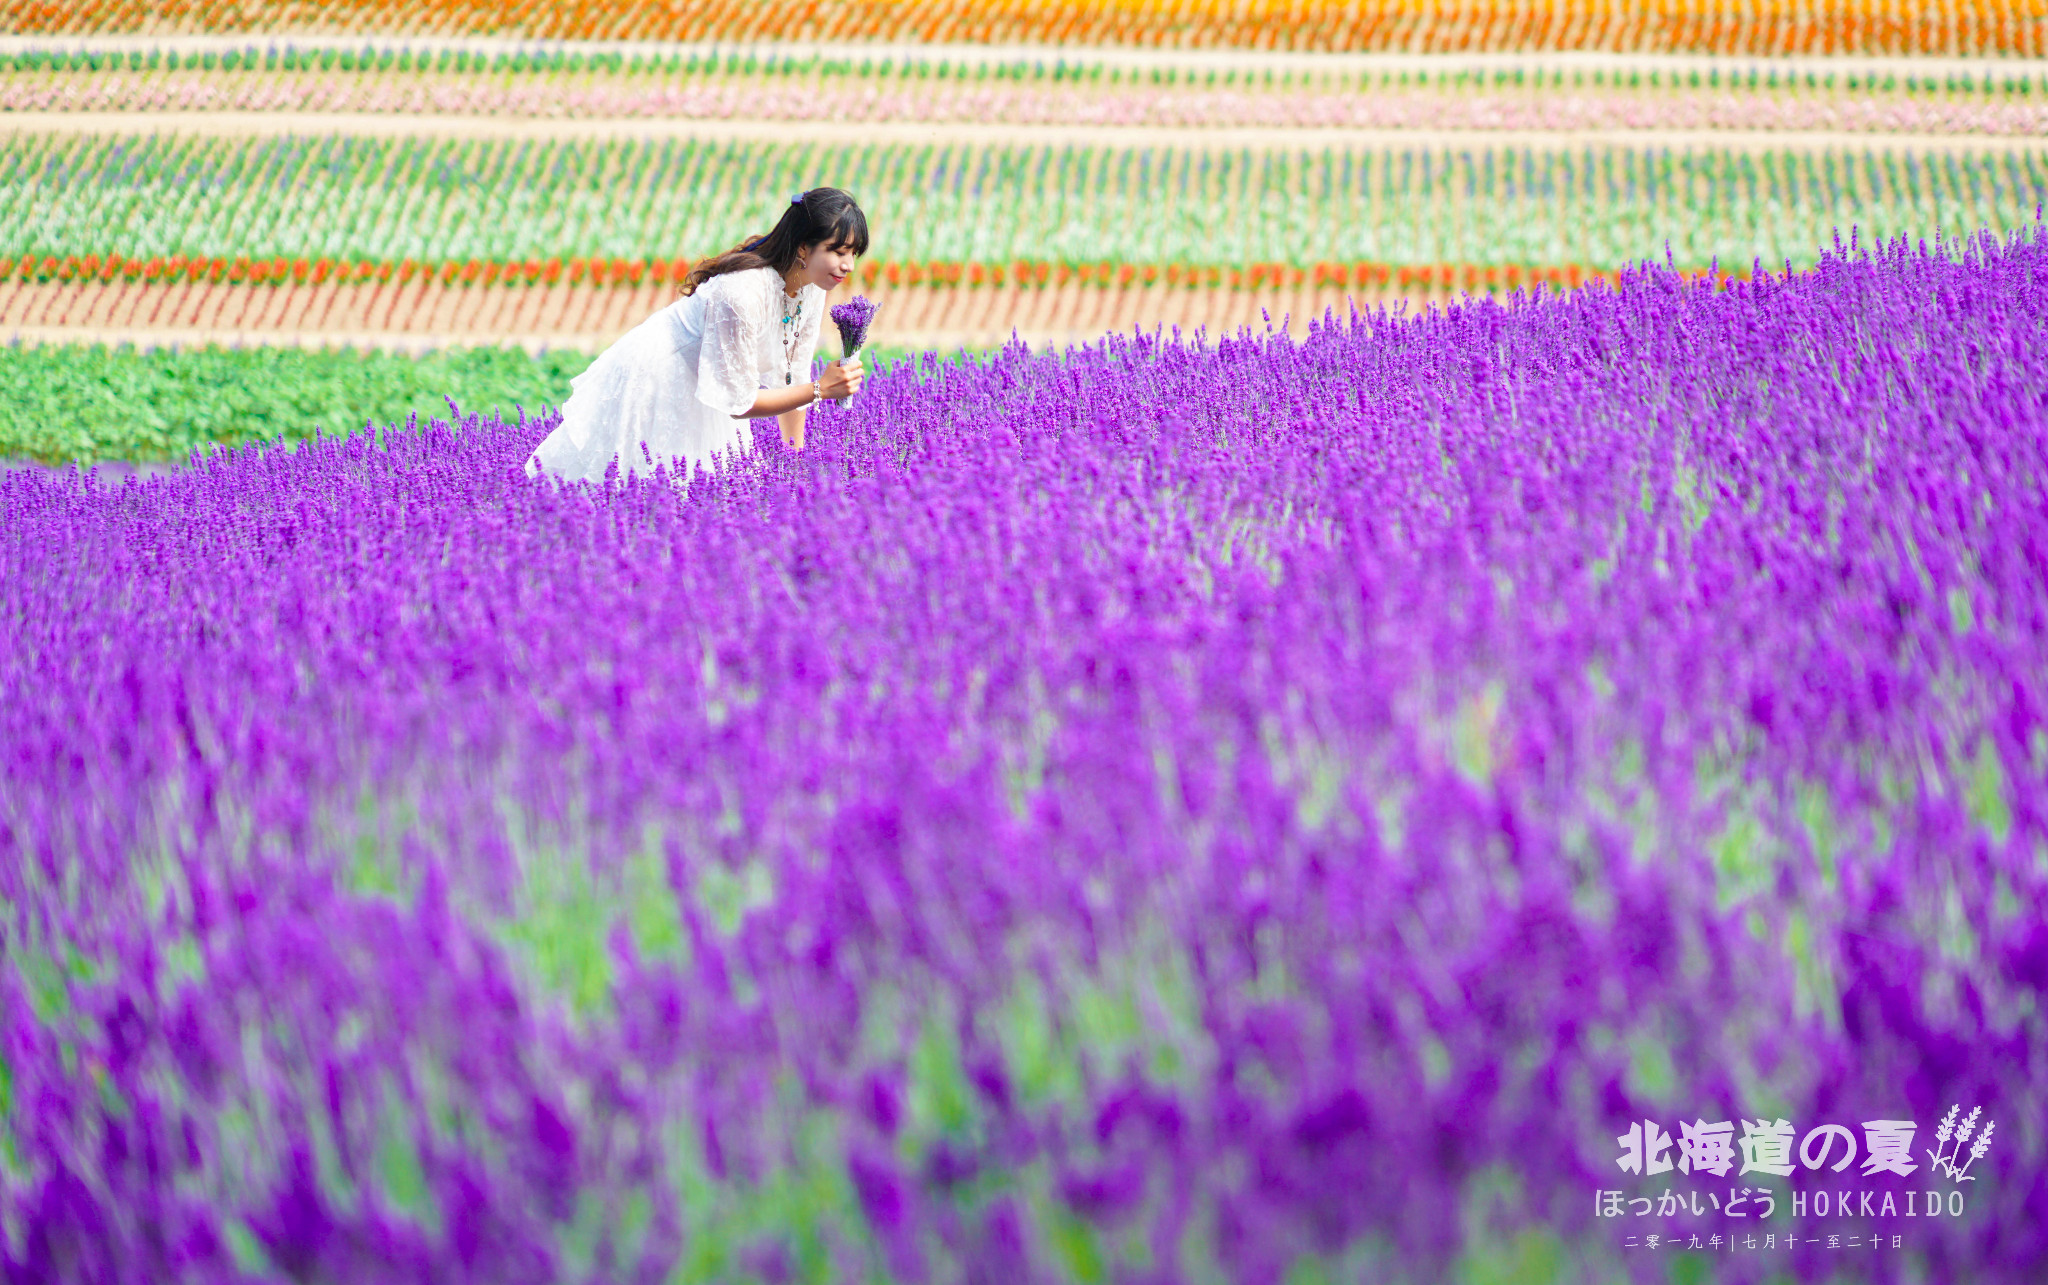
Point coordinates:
pixel 65 403
pixel 71 402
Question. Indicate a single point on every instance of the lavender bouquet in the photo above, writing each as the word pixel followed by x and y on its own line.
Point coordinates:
pixel 853 319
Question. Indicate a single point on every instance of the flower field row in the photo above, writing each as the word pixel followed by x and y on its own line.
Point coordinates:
pixel 1259 812
pixel 425 315
pixel 1995 27
pixel 386 201
pixel 599 272
pixel 1452 106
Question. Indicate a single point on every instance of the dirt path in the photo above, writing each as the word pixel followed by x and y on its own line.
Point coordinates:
pixel 420 315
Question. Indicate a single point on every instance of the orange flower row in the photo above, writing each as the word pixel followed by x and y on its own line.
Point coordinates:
pixel 1748 27
pixel 601 272
pixel 1365 275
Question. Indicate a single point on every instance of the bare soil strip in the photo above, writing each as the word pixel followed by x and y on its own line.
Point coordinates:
pixel 1037 107
pixel 1220 138
pixel 423 315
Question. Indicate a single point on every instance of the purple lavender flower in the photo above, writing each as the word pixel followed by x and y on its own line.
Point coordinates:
pixel 1238 799
pixel 853 318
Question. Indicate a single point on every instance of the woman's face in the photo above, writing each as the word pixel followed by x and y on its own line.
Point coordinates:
pixel 825 266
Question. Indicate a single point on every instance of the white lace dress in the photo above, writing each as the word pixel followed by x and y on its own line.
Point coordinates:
pixel 675 383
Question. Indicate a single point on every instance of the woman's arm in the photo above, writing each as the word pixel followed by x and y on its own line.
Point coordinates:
pixel 782 401
pixel 841 379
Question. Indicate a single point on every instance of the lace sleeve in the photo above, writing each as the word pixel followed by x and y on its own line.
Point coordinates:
pixel 728 357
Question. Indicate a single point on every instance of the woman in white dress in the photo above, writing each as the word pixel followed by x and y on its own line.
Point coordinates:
pixel 681 388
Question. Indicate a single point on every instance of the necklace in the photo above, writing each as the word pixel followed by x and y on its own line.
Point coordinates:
pixel 791 330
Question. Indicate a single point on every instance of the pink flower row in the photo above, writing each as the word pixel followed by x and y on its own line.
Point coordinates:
pixel 1018 104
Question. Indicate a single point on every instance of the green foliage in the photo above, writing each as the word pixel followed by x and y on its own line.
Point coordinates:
pixel 389 199
pixel 78 403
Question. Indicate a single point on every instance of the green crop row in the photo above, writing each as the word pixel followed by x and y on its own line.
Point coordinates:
pixel 351 198
pixel 79 403
pixel 64 403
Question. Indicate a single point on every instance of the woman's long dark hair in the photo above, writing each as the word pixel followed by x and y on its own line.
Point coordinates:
pixel 823 214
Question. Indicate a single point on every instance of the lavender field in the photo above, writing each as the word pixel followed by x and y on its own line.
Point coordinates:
pixel 1254 812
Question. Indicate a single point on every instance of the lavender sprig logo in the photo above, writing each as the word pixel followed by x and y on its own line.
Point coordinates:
pixel 1944 1155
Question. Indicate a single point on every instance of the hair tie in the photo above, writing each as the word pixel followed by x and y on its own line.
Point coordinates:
pixel 798 199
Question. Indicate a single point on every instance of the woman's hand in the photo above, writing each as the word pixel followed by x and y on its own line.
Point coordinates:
pixel 841 379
